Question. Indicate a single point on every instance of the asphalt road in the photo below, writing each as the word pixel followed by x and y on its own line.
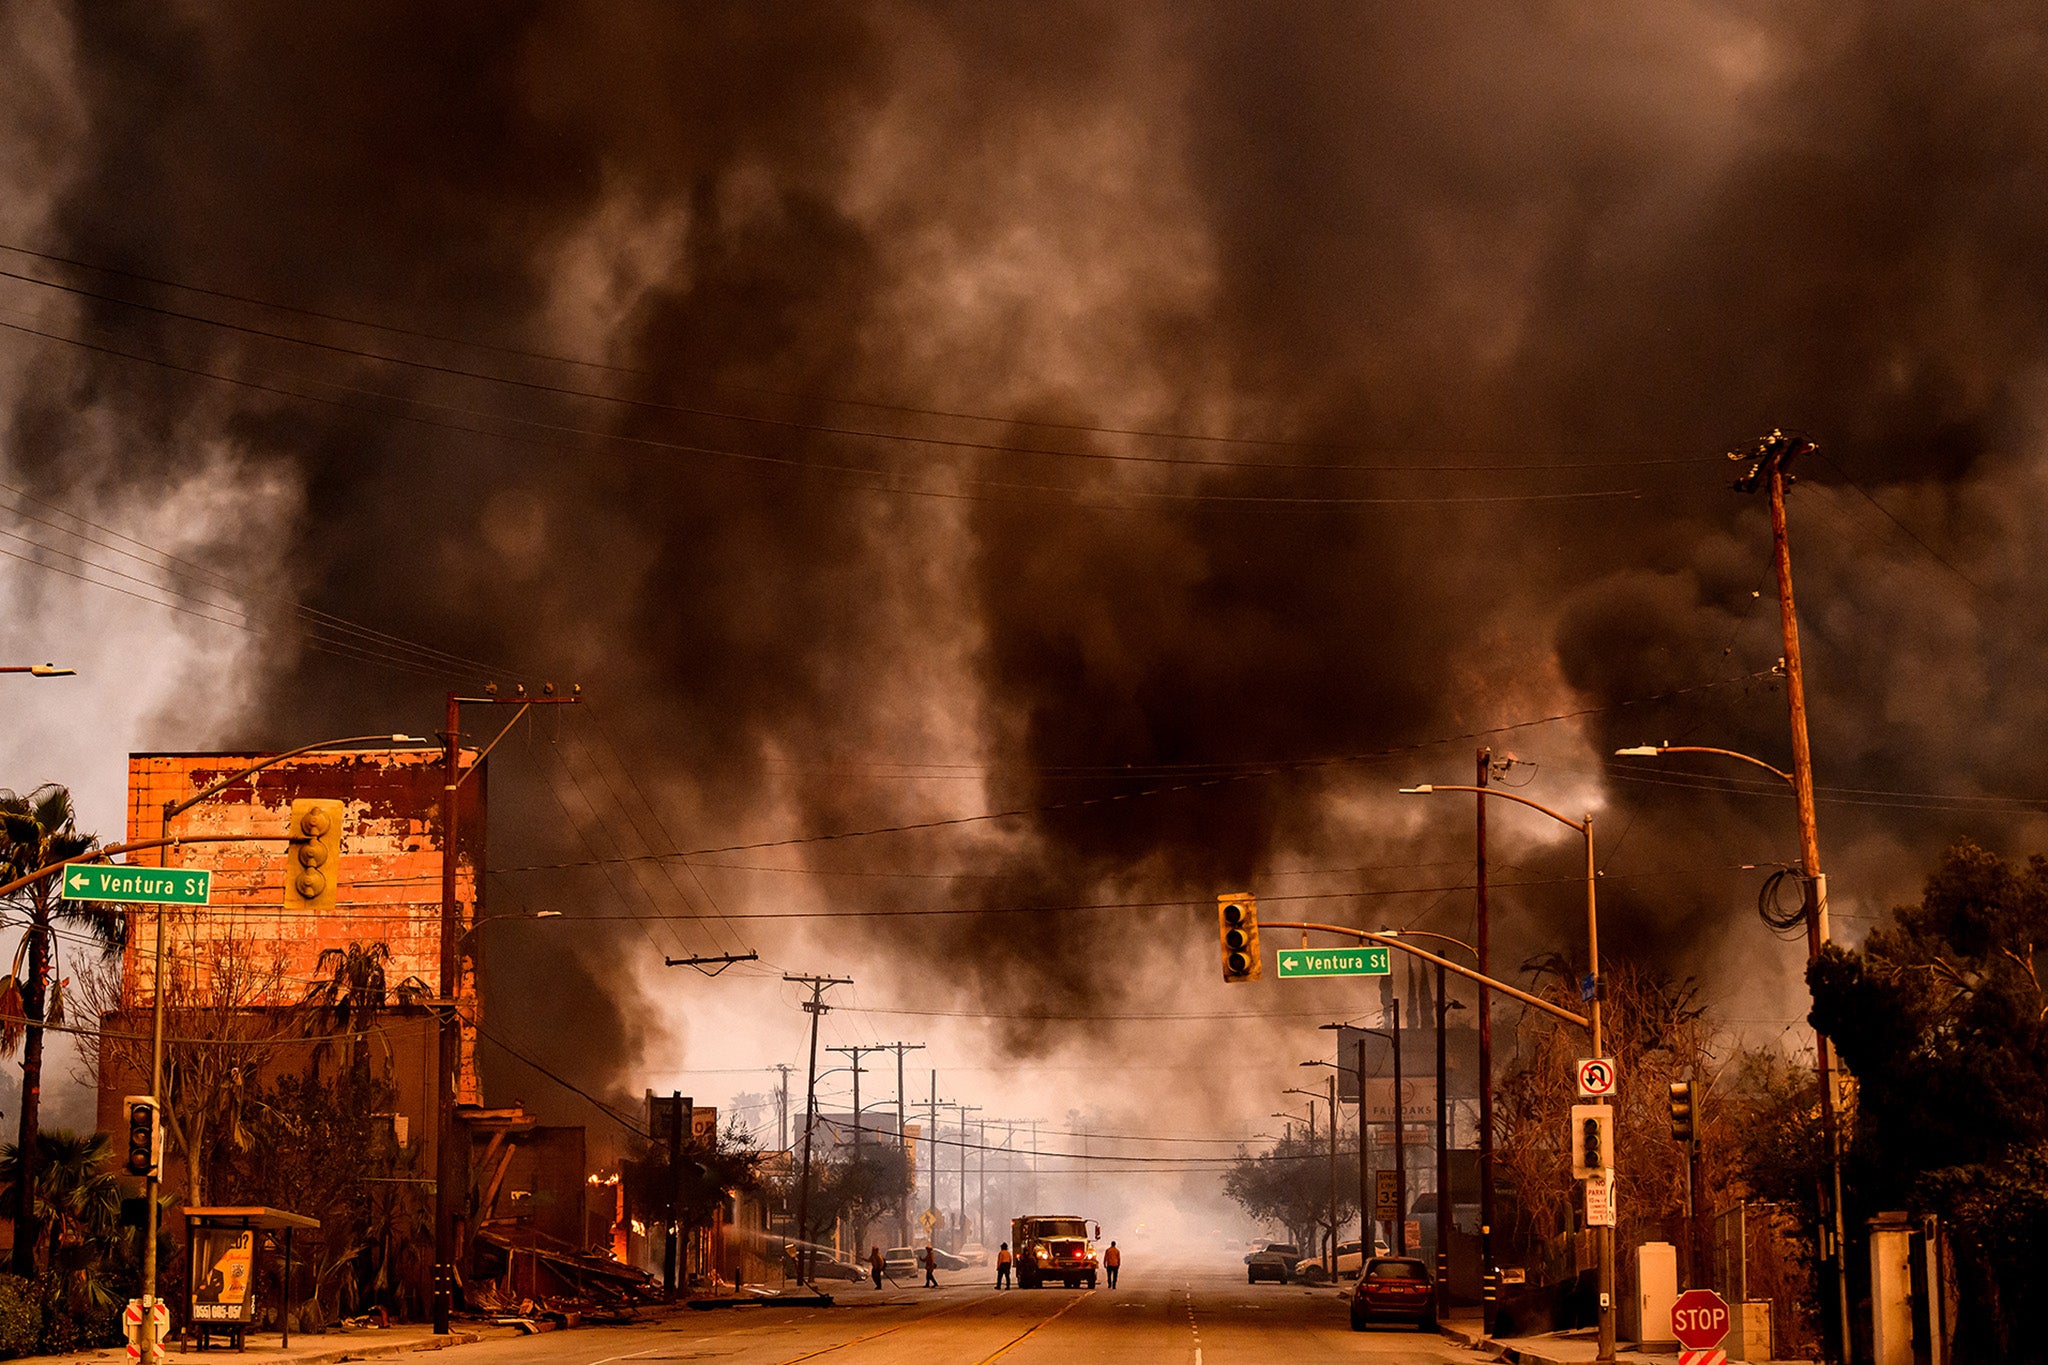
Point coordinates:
pixel 1205 1315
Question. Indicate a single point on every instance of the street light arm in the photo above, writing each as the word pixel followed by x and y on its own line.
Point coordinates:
pixel 1431 790
pixel 1430 933
pixel 180 807
pixel 94 855
pixel 1427 956
pixel 1653 750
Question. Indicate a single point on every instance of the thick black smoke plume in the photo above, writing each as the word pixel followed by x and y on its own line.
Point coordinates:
pixel 1479 300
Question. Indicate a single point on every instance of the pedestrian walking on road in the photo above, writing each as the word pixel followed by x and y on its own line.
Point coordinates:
pixel 875 1264
pixel 1003 1267
pixel 1111 1259
pixel 931 1267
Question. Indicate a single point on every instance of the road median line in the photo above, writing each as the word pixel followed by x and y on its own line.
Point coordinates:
pixel 1013 1341
pixel 927 1317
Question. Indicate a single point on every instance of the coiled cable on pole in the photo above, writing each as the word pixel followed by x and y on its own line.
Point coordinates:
pixel 1770 905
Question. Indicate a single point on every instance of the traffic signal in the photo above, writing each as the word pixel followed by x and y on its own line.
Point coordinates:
pixel 145 1136
pixel 1592 1139
pixel 311 867
pixel 1237 921
pixel 1681 1111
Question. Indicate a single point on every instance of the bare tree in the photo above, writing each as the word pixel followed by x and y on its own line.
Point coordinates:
pixel 223 1026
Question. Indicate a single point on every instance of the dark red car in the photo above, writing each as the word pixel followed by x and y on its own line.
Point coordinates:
pixel 1396 1288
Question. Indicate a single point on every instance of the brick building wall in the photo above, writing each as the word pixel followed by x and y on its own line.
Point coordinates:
pixel 388 872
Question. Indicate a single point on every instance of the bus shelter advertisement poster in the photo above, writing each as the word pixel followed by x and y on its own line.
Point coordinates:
pixel 225 1290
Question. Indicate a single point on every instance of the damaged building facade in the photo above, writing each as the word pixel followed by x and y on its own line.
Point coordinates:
pixel 249 967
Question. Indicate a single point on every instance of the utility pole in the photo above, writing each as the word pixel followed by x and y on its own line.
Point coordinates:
pixel 960 1232
pixel 1769 467
pixel 856 1053
pixel 1333 1185
pixel 451 1178
pixel 903 1141
pixel 1400 1145
pixel 815 1006
pixel 674 1270
pixel 981 1196
pixel 1365 1209
pixel 1443 1160
pixel 1489 1274
pixel 782 1107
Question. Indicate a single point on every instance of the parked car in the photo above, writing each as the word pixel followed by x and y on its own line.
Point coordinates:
pixel 1350 1257
pixel 1274 1261
pixel 1394 1287
pixel 823 1267
pixel 910 1261
pixel 973 1253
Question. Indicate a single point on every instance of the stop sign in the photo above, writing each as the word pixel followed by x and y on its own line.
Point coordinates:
pixel 1699 1319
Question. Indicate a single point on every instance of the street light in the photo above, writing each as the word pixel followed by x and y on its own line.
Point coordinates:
pixel 1814 887
pixel 1604 1236
pixel 39 670
pixel 172 809
pixel 1444 1004
pixel 1330 1248
pixel 1400 1125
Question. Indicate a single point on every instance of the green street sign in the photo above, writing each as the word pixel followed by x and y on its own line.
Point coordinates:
pixel 137 885
pixel 1334 962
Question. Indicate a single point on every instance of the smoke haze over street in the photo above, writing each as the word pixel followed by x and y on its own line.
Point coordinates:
pixel 1003 475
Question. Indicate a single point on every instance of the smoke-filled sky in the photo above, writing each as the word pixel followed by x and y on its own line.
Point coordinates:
pixel 1121 443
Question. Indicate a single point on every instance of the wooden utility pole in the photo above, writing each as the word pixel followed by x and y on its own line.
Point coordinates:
pixel 903 1142
pixel 814 1007
pixel 1489 1274
pixel 451 1178
pixel 1770 469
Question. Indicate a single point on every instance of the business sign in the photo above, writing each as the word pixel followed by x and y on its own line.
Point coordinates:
pixel 136 885
pixel 223 1285
pixel 1417 1104
pixel 1317 962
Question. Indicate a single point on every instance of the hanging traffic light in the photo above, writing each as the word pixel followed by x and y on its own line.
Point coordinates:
pixel 145 1137
pixel 311 868
pixel 1237 921
pixel 1682 1128
pixel 1592 1139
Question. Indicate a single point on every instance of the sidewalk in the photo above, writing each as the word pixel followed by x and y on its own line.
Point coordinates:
pixel 326 1348
pixel 1556 1349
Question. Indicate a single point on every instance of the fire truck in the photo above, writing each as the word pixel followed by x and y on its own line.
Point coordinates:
pixel 1053 1247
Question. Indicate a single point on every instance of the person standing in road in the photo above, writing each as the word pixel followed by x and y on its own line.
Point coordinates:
pixel 931 1267
pixel 875 1264
pixel 1003 1267
pixel 1111 1259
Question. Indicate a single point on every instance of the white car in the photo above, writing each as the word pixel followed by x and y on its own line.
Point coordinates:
pixel 1349 1258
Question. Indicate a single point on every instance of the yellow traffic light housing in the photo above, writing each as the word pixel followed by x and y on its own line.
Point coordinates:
pixel 1683 1128
pixel 1592 1146
pixel 145 1156
pixel 312 866
pixel 1237 922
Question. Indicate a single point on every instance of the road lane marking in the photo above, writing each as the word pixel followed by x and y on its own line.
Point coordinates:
pixel 1014 1341
pixel 828 1350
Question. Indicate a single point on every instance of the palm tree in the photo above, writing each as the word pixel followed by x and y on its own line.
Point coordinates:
pixel 36 830
pixel 77 1196
pixel 352 991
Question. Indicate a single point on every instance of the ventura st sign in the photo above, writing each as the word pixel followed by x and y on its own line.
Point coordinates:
pixel 1299 962
pixel 137 885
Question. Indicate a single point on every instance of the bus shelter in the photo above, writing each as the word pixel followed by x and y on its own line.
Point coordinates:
pixel 223 1250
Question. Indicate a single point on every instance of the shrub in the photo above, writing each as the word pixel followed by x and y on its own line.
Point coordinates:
pixel 21 1318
